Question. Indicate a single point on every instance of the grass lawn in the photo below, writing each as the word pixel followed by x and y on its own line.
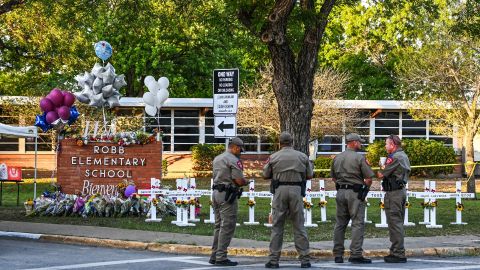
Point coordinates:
pixel 445 215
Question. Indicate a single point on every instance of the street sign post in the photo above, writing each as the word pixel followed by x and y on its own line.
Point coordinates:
pixel 225 102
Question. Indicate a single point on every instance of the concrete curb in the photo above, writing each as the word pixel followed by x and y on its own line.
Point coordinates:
pixel 253 252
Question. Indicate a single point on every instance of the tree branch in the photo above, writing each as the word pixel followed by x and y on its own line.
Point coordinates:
pixel 245 16
pixel 10 5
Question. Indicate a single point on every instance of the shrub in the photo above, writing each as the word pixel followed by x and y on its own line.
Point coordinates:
pixel 420 152
pixel 323 163
pixel 203 155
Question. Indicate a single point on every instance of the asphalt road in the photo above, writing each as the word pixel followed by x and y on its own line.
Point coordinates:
pixel 33 254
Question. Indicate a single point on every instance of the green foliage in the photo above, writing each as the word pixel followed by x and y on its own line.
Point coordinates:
pixel 164 167
pixel 420 152
pixel 203 155
pixel 323 163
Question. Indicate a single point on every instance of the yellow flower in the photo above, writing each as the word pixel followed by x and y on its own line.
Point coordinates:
pixel 251 203
pixel 381 205
pixel 178 202
pixel 322 204
pixel 460 207
pixel 307 205
pixel 407 204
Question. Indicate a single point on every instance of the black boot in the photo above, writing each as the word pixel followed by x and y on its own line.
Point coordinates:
pixel 359 260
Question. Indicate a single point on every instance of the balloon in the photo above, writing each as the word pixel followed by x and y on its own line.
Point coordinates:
pixel 149 98
pixel 68 99
pixel 149 80
pixel 103 50
pixel 162 96
pixel 151 110
pixel 64 112
pixel 129 190
pixel 41 122
pixel 101 87
pixel 56 96
pixel 51 117
pixel 59 124
pixel 163 82
pixel 46 105
pixel 73 115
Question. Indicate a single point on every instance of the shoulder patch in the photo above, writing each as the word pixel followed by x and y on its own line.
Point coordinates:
pixel 240 165
pixel 367 162
pixel 389 160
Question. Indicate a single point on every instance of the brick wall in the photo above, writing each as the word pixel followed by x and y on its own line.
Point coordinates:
pixel 89 168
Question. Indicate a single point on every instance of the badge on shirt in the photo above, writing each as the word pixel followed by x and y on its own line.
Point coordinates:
pixel 240 165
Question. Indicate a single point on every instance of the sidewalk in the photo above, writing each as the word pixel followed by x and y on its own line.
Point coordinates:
pixel 196 244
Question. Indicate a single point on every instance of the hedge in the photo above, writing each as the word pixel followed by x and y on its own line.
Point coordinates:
pixel 420 152
pixel 323 163
pixel 203 155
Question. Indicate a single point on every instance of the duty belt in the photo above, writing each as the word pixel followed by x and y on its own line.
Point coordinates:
pixel 343 186
pixel 290 184
pixel 219 187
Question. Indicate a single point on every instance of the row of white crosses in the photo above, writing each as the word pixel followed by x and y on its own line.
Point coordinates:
pixel 186 191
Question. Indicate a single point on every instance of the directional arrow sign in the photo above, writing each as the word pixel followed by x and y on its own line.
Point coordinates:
pixel 225 126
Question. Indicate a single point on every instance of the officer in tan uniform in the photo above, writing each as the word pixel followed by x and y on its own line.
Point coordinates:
pixel 288 169
pixel 352 176
pixel 395 176
pixel 227 178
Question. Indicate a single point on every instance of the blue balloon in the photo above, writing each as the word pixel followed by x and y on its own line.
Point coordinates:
pixel 103 50
pixel 41 122
pixel 74 114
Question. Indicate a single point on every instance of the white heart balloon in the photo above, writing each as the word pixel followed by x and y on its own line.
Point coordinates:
pixel 163 82
pixel 149 98
pixel 162 96
pixel 150 110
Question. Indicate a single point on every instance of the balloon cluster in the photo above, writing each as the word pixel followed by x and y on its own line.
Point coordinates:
pixel 157 94
pixel 100 86
pixel 58 110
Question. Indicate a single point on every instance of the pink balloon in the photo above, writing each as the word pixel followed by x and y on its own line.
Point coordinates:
pixel 56 96
pixel 64 112
pixel 68 99
pixel 51 116
pixel 46 105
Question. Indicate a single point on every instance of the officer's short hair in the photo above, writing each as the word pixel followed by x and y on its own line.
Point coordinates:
pixel 395 140
pixel 285 138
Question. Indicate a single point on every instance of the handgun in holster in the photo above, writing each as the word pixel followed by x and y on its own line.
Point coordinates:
pixel 363 192
pixel 303 188
pixel 274 185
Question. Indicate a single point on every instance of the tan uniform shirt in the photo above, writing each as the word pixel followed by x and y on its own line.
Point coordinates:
pixel 397 166
pixel 226 168
pixel 350 167
pixel 288 165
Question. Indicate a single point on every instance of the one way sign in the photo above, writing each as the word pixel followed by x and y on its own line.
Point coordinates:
pixel 225 126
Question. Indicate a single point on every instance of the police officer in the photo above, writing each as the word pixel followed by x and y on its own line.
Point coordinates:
pixel 227 178
pixel 289 169
pixel 352 175
pixel 395 174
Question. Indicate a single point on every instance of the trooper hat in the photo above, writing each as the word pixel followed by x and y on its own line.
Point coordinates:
pixel 285 138
pixel 238 142
pixel 354 137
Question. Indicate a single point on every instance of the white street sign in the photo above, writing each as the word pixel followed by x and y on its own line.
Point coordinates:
pixel 225 126
pixel 225 91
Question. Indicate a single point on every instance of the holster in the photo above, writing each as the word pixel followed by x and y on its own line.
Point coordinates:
pixel 362 194
pixel 232 193
pixel 274 185
pixel 303 188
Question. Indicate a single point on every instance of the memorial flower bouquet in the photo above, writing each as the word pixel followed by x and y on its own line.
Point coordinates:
pixel 460 207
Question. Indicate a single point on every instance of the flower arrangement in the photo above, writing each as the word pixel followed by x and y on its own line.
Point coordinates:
pixel 306 204
pixel 322 204
pixel 425 204
pixel 185 203
pixel 381 205
pixel 28 206
pixel 407 204
pixel 192 201
pixel 460 207
pixel 251 203
pixel 155 201
pixel 210 203
pixel 433 204
pixel 178 202
pixel 122 139
pixel 429 204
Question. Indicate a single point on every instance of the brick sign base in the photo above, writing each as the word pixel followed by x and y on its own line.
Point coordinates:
pixel 99 166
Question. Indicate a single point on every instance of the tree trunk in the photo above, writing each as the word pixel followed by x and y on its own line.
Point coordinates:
pixel 130 78
pixel 469 168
